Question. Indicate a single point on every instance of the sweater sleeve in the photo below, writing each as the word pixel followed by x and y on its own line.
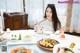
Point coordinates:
pixel 38 26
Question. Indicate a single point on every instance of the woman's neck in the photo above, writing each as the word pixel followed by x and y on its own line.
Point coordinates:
pixel 49 20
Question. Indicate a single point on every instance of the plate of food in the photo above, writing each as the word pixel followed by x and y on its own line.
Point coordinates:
pixel 20 50
pixel 47 44
pixel 64 48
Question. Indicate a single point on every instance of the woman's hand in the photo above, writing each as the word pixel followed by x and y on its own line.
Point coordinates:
pixel 0 34
pixel 36 27
pixel 63 29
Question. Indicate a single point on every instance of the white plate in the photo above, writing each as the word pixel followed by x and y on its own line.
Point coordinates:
pixel 47 32
pixel 75 49
pixel 18 47
pixel 27 39
pixel 33 50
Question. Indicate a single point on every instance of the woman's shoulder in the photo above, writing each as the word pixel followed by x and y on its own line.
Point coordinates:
pixel 42 20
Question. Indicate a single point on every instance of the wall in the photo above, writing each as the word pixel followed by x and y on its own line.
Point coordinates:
pixel 1 24
pixel 75 24
pixel 10 6
pixel 14 5
pixel 34 8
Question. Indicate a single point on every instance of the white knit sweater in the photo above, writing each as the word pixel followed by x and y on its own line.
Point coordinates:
pixel 44 25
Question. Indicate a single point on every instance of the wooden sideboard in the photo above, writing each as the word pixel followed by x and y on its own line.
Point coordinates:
pixel 15 21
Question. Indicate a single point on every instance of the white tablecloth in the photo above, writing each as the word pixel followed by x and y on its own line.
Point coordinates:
pixel 35 37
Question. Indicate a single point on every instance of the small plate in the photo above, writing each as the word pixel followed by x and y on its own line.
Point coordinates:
pixel 47 32
pixel 3 42
pixel 55 50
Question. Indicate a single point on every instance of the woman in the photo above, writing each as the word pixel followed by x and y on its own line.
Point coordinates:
pixel 50 22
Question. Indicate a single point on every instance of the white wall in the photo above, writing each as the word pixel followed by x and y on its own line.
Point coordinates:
pixel 11 5
pixel 14 5
pixel 34 8
pixel 2 9
pixel 76 17
pixel 0 22
pixel 2 4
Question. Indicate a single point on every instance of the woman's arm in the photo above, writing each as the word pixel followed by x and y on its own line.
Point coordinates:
pixel 60 29
pixel 63 28
pixel 39 25
pixel 36 26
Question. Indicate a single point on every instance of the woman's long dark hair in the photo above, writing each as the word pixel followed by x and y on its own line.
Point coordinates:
pixel 55 21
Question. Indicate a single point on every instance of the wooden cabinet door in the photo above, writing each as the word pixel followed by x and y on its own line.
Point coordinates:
pixel 24 21
pixel 16 21
pixel 8 22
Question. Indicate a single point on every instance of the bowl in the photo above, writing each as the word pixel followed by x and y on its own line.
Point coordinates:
pixel 3 42
pixel 27 38
pixel 13 40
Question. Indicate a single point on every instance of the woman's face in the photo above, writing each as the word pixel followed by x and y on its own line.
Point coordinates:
pixel 49 14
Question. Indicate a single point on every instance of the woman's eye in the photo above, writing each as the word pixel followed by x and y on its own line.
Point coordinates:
pixel 46 11
pixel 50 11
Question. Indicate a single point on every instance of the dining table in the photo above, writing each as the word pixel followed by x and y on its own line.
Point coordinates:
pixel 35 37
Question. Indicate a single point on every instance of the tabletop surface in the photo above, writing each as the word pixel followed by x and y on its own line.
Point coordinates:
pixel 36 37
